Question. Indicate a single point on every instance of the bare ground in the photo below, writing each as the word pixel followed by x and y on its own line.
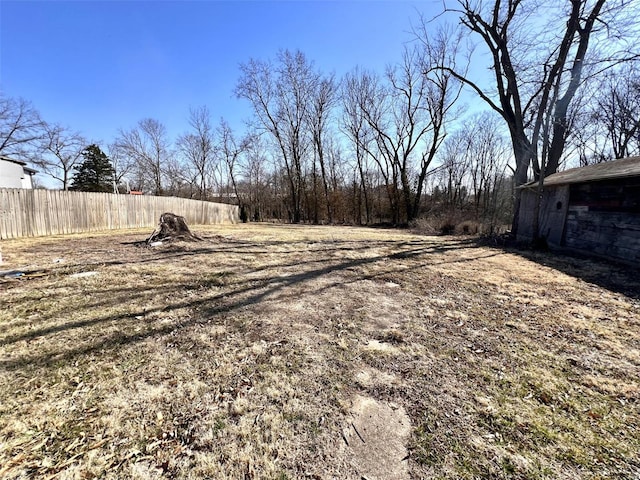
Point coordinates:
pixel 278 352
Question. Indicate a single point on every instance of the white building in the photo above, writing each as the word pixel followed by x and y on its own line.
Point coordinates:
pixel 15 174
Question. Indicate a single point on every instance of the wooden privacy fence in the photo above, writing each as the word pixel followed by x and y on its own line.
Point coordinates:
pixel 32 213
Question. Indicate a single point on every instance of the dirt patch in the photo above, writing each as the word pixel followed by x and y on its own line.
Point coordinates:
pixel 370 377
pixel 248 354
pixel 377 435
pixel 382 347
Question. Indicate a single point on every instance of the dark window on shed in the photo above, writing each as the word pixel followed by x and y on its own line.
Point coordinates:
pixel 601 196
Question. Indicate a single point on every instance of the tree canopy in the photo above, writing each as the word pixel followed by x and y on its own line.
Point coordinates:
pixel 95 173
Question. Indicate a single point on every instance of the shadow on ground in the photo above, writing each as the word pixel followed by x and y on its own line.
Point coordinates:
pixel 608 274
pixel 329 259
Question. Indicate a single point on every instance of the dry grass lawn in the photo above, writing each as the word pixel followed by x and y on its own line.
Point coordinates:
pixel 292 352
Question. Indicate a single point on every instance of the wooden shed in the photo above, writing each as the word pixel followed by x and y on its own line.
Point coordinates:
pixel 593 209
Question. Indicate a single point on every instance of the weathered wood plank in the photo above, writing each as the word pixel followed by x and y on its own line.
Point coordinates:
pixel 51 212
pixel 614 234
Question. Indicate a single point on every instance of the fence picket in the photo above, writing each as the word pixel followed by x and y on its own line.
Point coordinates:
pixel 33 213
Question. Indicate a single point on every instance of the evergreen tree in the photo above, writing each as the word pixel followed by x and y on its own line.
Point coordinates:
pixel 95 174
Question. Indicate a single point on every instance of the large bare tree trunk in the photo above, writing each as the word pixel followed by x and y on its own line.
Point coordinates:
pixel 526 106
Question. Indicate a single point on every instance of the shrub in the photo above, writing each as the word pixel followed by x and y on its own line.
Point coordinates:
pixel 468 227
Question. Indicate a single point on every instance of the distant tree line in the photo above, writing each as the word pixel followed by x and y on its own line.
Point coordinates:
pixel 392 147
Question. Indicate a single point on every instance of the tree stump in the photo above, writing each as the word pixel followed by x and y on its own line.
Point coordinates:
pixel 172 227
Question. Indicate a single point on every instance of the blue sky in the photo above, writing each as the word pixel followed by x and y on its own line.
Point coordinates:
pixel 98 66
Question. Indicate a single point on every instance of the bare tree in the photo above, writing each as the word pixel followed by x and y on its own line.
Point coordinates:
pixel 255 172
pixel 60 151
pixel 355 127
pixel 21 127
pixel 617 110
pixel 537 67
pixel 481 153
pixel 338 176
pixel 324 97
pixel 198 149
pixel 456 165
pixel 147 146
pixel 487 152
pixel 407 116
pixel 471 180
pixel 123 166
pixel 280 95
pixel 231 150
pixel 442 93
pixel 369 123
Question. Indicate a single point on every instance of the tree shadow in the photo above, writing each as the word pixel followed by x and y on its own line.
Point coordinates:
pixel 609 274
pixel 213 308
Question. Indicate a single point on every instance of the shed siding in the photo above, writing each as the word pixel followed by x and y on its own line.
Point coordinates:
pixel 612 234
pixel 553 211
pixel 604 218
pixel 593 209
pixel 525 220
